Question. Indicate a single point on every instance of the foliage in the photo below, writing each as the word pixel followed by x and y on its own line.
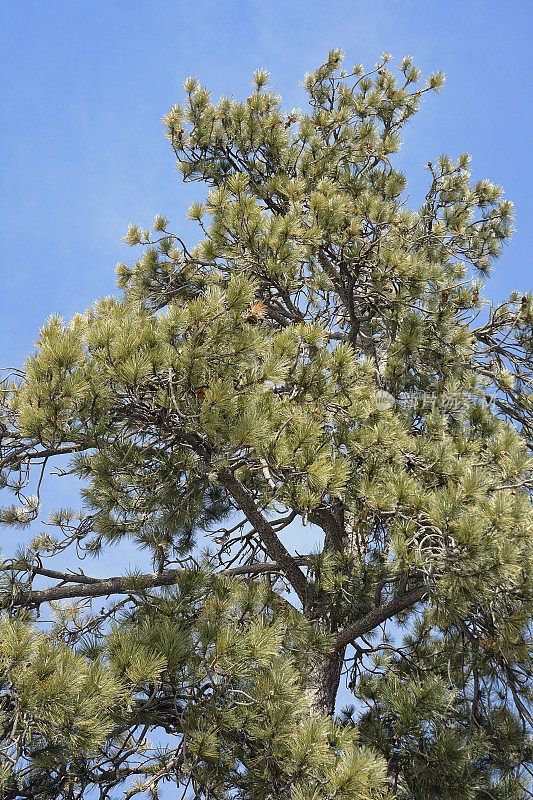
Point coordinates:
pixel 324 356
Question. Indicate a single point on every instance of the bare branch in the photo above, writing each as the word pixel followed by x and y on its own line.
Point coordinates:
pixel 128 584
pixel 273 545
pixel 377 616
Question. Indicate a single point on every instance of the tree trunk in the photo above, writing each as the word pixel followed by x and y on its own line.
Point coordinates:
pixel 324 682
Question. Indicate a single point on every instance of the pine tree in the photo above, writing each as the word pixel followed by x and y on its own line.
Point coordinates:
pixel 323 357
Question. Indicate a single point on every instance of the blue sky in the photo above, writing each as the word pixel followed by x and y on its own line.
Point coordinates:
pixel 84 84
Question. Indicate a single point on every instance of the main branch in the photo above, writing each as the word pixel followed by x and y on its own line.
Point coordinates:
pixel 126 584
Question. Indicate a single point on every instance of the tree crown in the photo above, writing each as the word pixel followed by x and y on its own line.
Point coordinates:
pixel 324 356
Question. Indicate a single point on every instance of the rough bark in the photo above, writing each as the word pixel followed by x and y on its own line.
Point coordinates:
pixel 74 585
pixel 323 683
pixel 272 544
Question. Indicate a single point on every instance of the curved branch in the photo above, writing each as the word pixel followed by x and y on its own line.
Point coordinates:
pixel 377 616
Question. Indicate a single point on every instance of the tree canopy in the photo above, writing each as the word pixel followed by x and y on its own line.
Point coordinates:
pixel 324 357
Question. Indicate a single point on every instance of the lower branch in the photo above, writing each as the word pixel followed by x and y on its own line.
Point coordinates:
pixel 127 584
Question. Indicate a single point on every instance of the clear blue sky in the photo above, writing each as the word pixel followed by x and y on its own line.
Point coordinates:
pixel 84 85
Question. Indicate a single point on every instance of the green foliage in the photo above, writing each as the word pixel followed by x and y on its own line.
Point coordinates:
pixel 323 356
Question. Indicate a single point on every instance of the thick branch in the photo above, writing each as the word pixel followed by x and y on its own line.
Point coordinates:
pixel 127 584
pixel 272 544
pixel 15 458
pixel 377 616
pixel 331 525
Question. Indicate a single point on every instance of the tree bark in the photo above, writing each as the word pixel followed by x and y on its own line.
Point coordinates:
pixel 323 683
pixel 86 586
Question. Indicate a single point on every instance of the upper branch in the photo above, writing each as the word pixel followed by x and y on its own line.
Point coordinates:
pixel 273 545
pixel 378 615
